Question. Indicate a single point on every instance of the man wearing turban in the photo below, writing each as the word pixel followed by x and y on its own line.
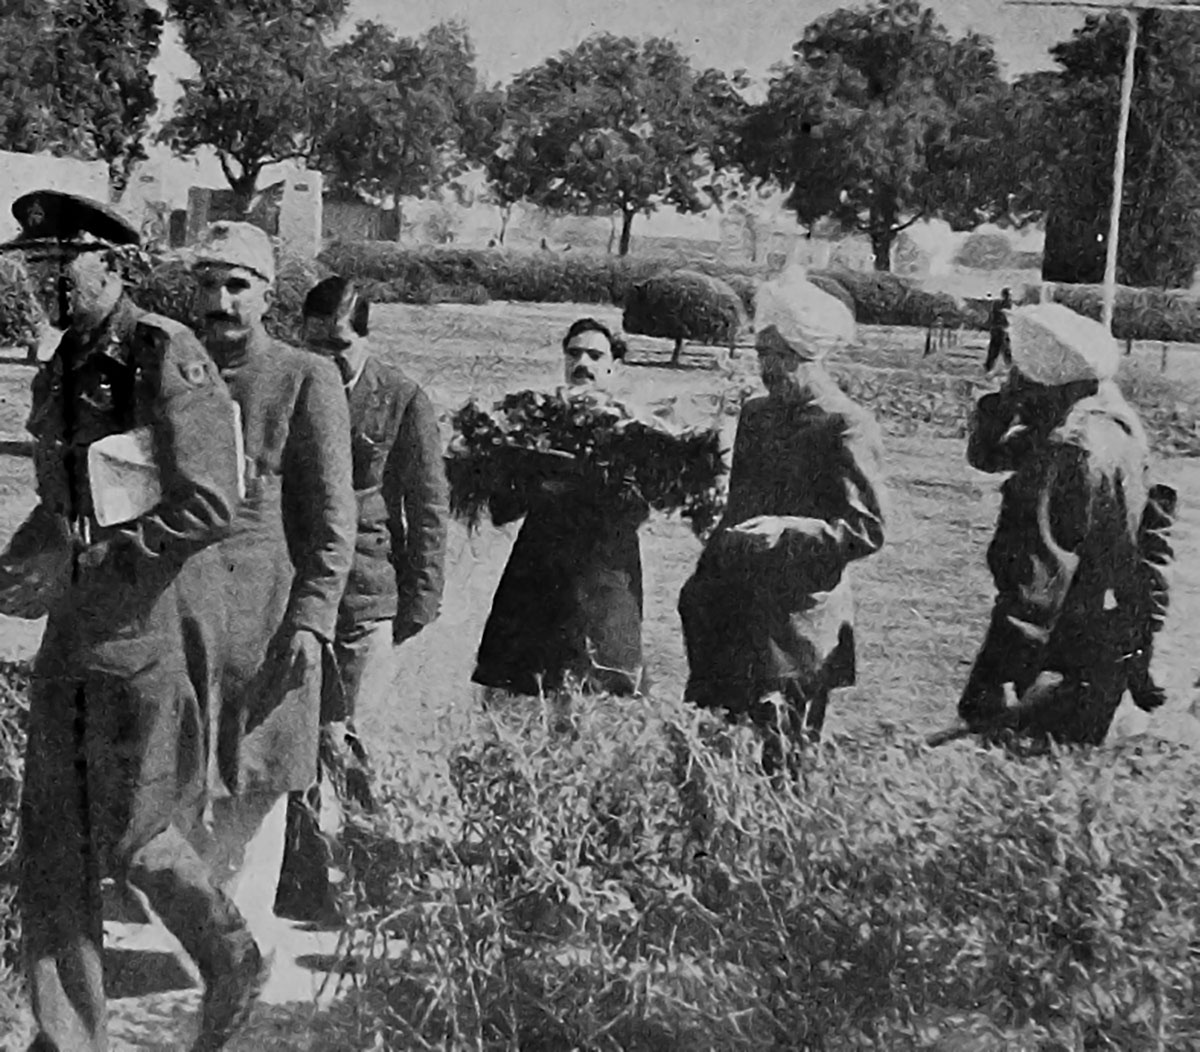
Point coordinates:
pixel 768 616
pixel 1076 597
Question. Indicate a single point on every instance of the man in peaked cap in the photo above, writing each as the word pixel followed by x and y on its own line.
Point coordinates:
pixel 768 615
pixel 269 625
pixel 115 758
pixel 1077 599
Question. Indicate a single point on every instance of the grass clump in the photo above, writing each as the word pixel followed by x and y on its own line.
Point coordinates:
pixel 622 878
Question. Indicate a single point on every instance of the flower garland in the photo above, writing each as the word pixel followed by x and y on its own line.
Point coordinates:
pixel 524 434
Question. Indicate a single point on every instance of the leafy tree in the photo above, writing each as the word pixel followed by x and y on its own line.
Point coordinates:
pixel 75 79
pixel 1068 121
pixel 615 128
pixel 28 121
pixel 873 121
pixel 263 87
pixel 104 86
pixel 401 113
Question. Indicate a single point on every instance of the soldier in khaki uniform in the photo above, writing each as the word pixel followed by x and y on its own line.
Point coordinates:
pixel 269 626
pixel 115 756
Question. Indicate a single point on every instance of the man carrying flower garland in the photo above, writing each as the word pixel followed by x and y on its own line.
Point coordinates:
pixel 767 616
pixel 1079 545
pixel 569 604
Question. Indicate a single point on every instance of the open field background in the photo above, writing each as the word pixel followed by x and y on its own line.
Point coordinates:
pixel 922 603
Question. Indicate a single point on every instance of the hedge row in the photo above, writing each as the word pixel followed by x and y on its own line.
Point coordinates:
pixel 396 273
pixel 1138 314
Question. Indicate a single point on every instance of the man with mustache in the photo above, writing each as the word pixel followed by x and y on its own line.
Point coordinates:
pixel 270 624
pixel 569 604
pixel 396 582
pixel 115 758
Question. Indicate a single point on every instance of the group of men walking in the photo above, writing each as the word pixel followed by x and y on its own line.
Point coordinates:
pixel 207 605
pixel 204 628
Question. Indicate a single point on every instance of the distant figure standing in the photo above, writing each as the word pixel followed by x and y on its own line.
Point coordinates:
pixel 768 616
pixel 998 344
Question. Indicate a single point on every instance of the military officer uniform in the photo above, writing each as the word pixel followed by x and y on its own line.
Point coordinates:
pixel 116 751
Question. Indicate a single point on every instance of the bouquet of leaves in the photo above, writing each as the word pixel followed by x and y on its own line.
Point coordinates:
pixel 530 435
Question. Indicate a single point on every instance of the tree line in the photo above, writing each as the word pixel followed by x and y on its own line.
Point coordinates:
pixel 880 118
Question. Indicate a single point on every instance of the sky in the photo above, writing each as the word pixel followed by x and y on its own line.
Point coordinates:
pixel 512 35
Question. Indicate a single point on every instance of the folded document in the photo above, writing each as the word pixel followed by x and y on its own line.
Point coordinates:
pixel 124 476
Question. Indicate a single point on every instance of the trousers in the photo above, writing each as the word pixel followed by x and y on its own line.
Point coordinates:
pixel 99 799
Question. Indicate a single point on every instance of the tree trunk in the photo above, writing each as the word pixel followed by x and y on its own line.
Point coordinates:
pixel 398 212
pixel 626 227
pixel 243 192
pixel 505 216
pixel 882 228
pixel 881 247
pixel 677 352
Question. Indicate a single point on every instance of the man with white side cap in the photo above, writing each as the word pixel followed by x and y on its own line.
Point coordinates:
pixel 269 625
pixel 1076 599
pixel 768 615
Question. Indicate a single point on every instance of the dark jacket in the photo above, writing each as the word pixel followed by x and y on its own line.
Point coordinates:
pixel 569 602
pixel 113 655
pixel 1065 556
pixel 755 619
pixel 403 501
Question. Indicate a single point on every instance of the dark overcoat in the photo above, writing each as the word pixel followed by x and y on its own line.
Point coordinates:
pixel 569 602
pixel 1065 559
pixel 755 620
pixel 283 567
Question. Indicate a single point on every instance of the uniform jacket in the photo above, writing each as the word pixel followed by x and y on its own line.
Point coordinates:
pixel 403 501
pixel 284 566
pixel 140 370
pixel 1065 555
pixel 110 681
pixel 755 619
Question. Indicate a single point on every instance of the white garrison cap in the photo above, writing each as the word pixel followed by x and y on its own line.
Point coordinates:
pixel 809 319
pixel 236 245
pixel 1053 345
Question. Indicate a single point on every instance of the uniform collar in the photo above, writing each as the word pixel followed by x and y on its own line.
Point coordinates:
pixel 110 339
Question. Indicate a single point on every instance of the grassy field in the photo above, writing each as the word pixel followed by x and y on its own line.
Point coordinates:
pixel 922 603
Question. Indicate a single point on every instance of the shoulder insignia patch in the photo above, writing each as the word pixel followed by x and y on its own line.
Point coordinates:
pixel 194 373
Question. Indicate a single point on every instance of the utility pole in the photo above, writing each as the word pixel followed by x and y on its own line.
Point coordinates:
pixel 1130 9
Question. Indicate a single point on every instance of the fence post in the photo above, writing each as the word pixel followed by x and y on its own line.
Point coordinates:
pixel 1164 356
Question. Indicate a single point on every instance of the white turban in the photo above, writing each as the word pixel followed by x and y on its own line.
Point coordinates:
pixel 1053 345
pixel 809 319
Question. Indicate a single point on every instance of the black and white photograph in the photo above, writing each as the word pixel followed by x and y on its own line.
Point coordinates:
pixel 600 527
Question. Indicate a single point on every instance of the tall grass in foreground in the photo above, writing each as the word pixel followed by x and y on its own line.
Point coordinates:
pixel 627 881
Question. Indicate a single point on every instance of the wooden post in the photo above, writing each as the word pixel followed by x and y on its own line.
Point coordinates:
pixel 1114 217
